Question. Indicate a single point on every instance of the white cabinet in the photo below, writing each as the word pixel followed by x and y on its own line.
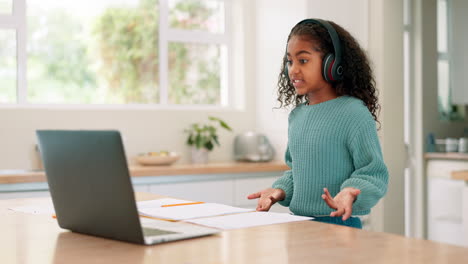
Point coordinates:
pixel 231 191
pixel 465 214
pixel 16 195
pixel 206 191
pixel 446 204
pixel 140 188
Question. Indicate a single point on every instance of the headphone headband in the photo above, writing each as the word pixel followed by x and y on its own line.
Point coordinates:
pixel 331 31
pixel 333 71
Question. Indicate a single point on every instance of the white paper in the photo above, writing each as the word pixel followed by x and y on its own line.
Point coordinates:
pixel 38 209
pixel 248 220
pixel 48 208
pixel 183 212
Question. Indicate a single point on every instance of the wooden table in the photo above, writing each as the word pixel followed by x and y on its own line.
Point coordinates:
pixel 38 239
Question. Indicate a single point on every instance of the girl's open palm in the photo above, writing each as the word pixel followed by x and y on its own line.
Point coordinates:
pixel 342 202
pixel 267 198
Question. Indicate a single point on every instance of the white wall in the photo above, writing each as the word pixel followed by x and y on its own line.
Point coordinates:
pixel 351 15
pixel 386 52
pixel 272 29
pixel 143 130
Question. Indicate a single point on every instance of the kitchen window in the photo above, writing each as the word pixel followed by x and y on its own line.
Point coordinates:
pixel 114 52
pixel 6 6
pixel 447 110
pixel 7 65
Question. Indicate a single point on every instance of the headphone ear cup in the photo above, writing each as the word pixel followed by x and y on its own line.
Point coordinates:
pixel 327 65
pixel 285 72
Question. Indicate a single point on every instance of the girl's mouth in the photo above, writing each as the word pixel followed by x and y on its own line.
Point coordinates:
pixel 297 82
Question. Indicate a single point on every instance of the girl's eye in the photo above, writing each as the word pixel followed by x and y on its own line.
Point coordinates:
pixel 289 62
pixel 303 61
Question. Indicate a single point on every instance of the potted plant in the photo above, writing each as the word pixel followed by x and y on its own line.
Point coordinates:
pixel 204 137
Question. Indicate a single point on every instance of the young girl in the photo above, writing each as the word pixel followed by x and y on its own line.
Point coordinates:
pixel 334 155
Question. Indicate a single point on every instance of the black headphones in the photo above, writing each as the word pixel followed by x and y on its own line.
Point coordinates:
pixel 332 70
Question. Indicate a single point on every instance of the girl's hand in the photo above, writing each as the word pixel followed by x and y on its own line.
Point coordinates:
pixel 268 197
pixel 342 202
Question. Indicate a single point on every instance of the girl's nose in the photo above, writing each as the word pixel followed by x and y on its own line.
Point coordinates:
pixel 293 69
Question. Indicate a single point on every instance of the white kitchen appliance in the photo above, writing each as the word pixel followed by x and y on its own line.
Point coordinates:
pixel 254 147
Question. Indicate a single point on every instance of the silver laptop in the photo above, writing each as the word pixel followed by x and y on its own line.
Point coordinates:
pixel 92 192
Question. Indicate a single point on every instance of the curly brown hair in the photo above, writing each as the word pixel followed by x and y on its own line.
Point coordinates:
pixel 358 80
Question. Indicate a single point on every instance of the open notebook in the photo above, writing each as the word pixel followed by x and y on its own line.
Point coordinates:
pixel 211 214
pixel 157 209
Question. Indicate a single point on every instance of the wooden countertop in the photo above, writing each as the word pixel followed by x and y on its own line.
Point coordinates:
pixel 460 175
pixel 446 155
pixel 38 239
pixel 457 174
pixel 18 176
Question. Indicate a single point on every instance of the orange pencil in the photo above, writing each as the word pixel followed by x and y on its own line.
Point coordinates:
pixel 169 205
pixel 150 217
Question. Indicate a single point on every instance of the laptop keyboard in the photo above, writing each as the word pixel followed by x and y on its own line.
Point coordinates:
pixel 156 232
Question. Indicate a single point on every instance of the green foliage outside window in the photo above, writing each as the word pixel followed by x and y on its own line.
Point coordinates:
pixel 187 87
pixel 127 41
pixel 190 15
pixel 58 57
pixel 115 58
pixel 7 66
pixel 184 57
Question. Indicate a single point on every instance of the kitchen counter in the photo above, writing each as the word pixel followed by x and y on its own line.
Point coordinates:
pixel 460 175
pixel 24 176
pixel 458 162
pixel 446 155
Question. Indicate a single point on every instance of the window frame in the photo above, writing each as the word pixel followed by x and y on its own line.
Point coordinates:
pixel 18 21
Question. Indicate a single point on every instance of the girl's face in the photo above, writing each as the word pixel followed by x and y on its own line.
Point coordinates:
pixel 305 67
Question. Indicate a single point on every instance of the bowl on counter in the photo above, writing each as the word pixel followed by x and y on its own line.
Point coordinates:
pixel 157 158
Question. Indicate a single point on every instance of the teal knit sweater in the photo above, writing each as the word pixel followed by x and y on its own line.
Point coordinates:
pixel 333 144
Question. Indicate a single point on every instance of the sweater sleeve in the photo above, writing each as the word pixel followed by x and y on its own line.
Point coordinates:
pixel 370 174
pixel 286 182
